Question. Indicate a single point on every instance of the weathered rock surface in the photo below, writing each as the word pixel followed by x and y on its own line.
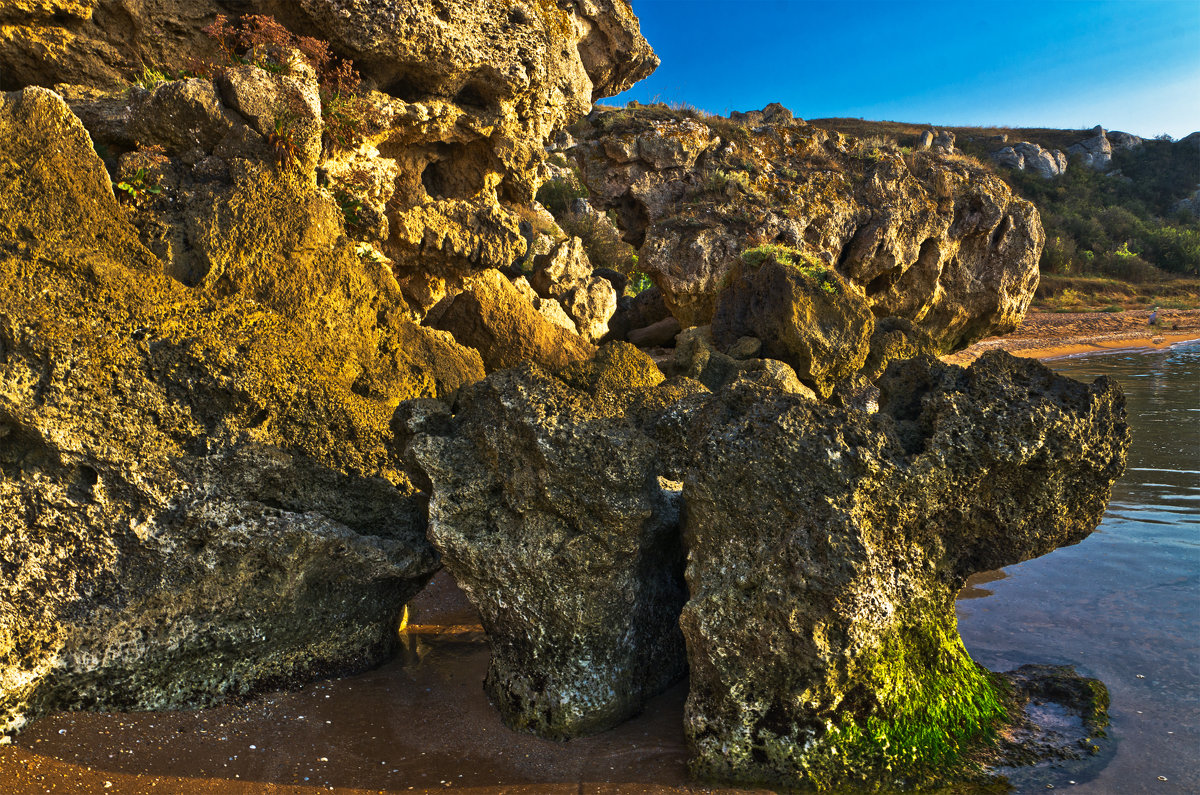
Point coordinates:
pixel 551 510
pixel 199 494
pixel 1047 163
pixel 466 93
pixel 821 634
pixel 548 308
pixel 804 314
pixel 588 299
pixel 491 316
pixel 932 239
pixel 1095 152
pixel 697 357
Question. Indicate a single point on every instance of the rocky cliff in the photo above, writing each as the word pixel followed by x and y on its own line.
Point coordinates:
pixel 925 236
pixel 202 341
pixel 458 98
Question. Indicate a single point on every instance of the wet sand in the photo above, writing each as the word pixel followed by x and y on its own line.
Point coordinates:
pixel 1049 335
pixel 420 723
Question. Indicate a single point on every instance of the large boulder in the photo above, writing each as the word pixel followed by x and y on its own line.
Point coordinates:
pixel 1095 152
pixel 199 490
pixel 460 96
pixel 552 509
pixel 826 547
pixel 804 314
pixel 493 317
pixel 932 238
pixel 565 274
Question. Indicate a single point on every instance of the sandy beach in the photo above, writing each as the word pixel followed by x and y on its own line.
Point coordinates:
pixel 1047 335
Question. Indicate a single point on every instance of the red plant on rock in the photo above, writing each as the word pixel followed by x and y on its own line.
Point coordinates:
pixel 261 40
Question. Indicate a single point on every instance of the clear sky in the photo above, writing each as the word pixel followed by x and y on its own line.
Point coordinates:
pixel 1131 65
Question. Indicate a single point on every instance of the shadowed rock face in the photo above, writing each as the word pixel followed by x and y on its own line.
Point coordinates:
pixel 199 494
pixel 821 632
pixel 551 511
pixel 929 237
pixel 825 546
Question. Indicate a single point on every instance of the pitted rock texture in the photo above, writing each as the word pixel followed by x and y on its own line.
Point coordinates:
pixel 566 276
pixel 928 237
pixel 465 94
pixel 804 314
pixel 493 317
pixel 199 490
pixel 552 509
pixel 826 547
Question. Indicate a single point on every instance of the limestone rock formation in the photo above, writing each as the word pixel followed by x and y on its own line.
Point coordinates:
pixel 804 314
pixel 1097 151
pixel 826 547
pixel 491 316
pixel 932 239
pixel 199 494
pixel 588 299
pixel 465 94
pixel 548 308
pixel 1047 163
pixel 551 509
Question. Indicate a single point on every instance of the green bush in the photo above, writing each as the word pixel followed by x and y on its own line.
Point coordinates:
pixel 557 194
pixel 601 241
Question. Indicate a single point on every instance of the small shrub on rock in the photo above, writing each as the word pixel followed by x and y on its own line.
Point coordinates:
pixel 260 40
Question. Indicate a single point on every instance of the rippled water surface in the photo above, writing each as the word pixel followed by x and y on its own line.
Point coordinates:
pixel 1124 605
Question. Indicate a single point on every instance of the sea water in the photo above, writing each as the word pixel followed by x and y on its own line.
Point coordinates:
pixel 1124 605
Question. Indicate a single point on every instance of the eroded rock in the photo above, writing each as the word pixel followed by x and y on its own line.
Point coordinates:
pixel 491 316
pixel 926 237
pixel 1046 163
pixel 566 276
pixel 822 645
pixel 552 509
pixel 462 95
pixel 804 314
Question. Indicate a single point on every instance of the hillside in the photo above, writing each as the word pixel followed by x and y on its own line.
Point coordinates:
pixel 1119 236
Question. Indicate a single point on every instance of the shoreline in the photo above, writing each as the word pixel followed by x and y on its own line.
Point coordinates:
pixel 1050 335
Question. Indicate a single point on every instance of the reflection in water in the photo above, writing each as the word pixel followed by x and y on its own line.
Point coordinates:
pixel 972 589
pixel 1124 605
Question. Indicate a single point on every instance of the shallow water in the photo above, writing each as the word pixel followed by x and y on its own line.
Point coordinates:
pixel 1124 605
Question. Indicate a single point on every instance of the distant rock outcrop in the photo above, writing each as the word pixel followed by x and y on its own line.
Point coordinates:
pixel 1096 152
pixel 1046 163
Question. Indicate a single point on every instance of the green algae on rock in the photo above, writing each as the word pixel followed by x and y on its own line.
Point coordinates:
pixel 199 492
pixel 821 634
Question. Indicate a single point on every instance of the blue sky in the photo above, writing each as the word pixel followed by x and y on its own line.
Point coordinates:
pixel 1131 65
